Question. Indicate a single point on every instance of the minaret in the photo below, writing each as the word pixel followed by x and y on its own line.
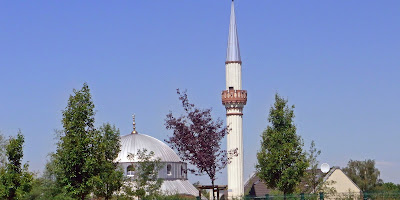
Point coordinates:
pixel 234 99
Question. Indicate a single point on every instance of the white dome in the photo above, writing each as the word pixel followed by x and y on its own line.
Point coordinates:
pixel 133 142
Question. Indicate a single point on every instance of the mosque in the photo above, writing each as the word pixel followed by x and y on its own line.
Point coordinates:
pixel 174 172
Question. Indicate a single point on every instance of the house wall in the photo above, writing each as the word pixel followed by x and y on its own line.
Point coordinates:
pixel 343 184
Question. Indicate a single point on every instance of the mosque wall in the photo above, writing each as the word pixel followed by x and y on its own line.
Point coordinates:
pixel 170 170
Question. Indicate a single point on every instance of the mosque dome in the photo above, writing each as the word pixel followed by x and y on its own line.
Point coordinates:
pixel 132 143
pixel 174 170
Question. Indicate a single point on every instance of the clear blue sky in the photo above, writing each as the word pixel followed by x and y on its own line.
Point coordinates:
pixel 337 61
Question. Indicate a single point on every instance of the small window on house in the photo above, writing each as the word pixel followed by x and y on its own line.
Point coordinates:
pixel 230 88
pixel 130 170
pixel 169 171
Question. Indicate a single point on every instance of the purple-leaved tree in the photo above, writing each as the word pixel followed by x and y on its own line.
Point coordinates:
pixel 197 139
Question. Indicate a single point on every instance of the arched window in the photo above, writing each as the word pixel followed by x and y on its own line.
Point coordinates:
pixel 130 170
pixel 169 170
pixel 182 171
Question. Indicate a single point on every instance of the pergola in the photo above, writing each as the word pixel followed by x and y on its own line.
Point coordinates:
pixel 215 188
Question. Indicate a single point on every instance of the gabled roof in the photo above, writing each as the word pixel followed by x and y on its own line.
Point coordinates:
pixel 254 186
pixel 329 173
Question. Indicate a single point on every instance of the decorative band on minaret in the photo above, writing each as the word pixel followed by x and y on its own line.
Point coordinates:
pixel 234 99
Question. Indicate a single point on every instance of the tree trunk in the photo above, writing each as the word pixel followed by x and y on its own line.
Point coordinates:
pixel 107 197
pixel 212 183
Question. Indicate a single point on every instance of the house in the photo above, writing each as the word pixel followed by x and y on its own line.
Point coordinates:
pixel 334 183
pixel 343 186
pixel 255 187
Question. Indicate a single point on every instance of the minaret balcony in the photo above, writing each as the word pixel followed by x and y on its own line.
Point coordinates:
pixel 234 97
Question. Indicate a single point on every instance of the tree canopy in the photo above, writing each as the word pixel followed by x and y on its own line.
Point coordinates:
pixel 363 173
pixel 84 156
pixel 197 138
pixel 15 179
pixel 46 187
pixel 281 160
pixel 311 176
pixel 109 177
pixel 387 187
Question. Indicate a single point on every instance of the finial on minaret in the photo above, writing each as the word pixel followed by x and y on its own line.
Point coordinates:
pixel 134 124
pixel 233 51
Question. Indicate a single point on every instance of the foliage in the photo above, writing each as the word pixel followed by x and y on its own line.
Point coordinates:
pixel 363 173
pixel 327 188
pixel 145 183
pixel 83 160
pixel 46 187
pixel 197 138
pixel 110 177
pixel 15 179
pixel 281 160
pixel 311 176
pixel 75 157
pixel 386 187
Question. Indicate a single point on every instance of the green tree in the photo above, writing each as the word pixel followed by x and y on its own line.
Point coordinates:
pixel 15 179
pixel 110 177
pixel 311 176
pixel 363 173
pixel 83 162
pixel 281 160
pixel 46 187
pixel 386 187
pixel 145 183
pixel 75 158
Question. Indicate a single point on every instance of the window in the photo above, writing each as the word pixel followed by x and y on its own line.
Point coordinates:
pixel 130 170
pixel 169 171
pixel 182 171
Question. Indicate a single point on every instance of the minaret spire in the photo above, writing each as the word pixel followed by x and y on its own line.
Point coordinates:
pixel 233 51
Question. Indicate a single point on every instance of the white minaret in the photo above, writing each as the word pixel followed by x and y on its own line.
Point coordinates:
pixel 234 99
